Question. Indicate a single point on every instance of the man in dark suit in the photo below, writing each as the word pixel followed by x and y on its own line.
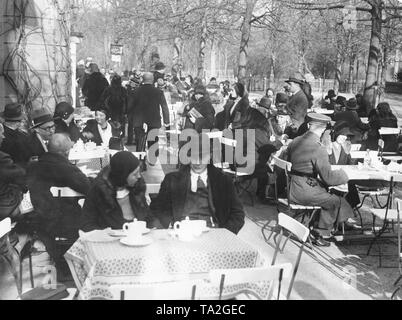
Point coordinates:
pixel 42 130
pixel 201 192
pixel 355 124
pixel 16 143
pixel 309 160
pixel 298 103
pixel 56 217
pixel 145 105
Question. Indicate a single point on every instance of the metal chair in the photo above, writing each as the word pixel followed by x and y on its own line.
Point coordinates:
pixel 166 290
pixel 295 229
pixel 398 221
pixel 9 253
pixel 233 277
pixel 388 215
pixel 239 178
pixel 28 249
pixel 293 207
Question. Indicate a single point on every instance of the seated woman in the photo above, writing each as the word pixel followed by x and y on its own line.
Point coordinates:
pixel 381 117
pixel 339 154
pixel 101 130
pixel 64 121
pixel 117 196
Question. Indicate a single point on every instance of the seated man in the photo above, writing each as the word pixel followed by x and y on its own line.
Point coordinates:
pixel 15 143
pixel 42 130
pixel 12 184
pixel 117 196
pixel 309 160
pixel 56 217
pixel 201 192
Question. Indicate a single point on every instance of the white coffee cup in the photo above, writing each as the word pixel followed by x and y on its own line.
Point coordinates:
pixel 135 229
pixel 183 230
pixel 197 227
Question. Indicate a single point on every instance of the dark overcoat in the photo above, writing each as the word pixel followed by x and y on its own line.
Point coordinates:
pixel 297 107
pixel 57 216
pixel 227 208
pixel 101 209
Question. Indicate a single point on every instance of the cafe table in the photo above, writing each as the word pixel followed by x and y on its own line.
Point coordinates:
pixel 356 172
pixel 321 111
pixel 98 265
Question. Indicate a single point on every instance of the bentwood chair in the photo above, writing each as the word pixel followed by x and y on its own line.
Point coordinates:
pixel 289 227
pixel 274 275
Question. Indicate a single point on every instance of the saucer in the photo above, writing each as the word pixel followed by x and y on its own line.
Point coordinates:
pixel 142 242
pixel 123 234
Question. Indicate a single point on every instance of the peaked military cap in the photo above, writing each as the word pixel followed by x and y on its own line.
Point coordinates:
pixel 318 118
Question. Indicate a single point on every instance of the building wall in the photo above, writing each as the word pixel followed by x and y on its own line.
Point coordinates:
pixel 34 52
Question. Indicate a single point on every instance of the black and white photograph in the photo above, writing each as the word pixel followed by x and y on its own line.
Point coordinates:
pixel 219 151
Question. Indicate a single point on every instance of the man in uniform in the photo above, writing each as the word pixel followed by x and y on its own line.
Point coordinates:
pixel 311 176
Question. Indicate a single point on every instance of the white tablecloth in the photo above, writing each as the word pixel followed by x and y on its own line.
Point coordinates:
pixel 97 266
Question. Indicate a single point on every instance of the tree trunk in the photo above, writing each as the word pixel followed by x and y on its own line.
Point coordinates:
pixel 213 60
pixel 357 75
pixel 370 87
pixel 201 52
pixel 351 72
pixel 338 72
pixel 245 37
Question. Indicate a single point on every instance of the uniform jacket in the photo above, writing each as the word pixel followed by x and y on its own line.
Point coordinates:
pixel 308 156
pixel 297 107
pixel 170 203
pixel 146 103
pixel 101 209
pixel 54 170
pixel 16 145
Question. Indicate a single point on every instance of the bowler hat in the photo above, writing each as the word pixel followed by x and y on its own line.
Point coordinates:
pixel 281 97
pixel 265 102
pixel 41 116
pixel 13 112
pixel 295 80
pixel 331 94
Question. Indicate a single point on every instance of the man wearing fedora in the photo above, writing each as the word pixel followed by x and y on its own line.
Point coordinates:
pixel 329 100
pixel 199 191
pixel 311 175
pixel 355 124
pixel 16 143
pixel 145 107
pixel 298 103
pixel 42 130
